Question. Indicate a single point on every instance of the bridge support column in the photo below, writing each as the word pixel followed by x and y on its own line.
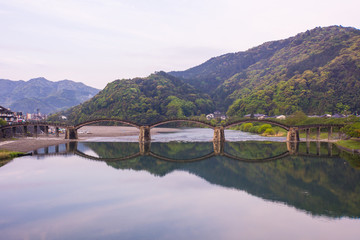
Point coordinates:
pixel 307 134
pixel 293 135
pixel 144 147
pixel 3 134
pixel 330 130
pixel 318 146
pixel 318 133
pixel 144 135
pixel 25 131
pixel 219 135
pixel 71 133
pixel 46 131
pixel 13 131
pixel 57 131
pixel 35 130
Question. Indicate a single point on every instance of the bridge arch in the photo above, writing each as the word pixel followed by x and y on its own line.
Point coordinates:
pixel 76 127
pixel 182 120
pixel 275 123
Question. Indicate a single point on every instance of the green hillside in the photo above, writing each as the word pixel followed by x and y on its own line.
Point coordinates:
pixel 316 71
pixel 143 100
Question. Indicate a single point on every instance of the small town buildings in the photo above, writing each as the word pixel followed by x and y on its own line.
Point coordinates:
pixel 7 115
pixel 36 116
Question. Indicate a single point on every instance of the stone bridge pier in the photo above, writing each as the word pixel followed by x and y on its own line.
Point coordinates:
pixel 219 135
pixel 293 135
pixel 144 135
pixel 71 133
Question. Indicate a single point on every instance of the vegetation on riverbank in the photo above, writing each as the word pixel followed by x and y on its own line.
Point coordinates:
pixel 8 155
pixel 350 144
pixel 263 129
pixel 351 129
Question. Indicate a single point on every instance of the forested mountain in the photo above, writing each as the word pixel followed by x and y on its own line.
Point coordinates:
pixel 40 93
pixel 143 100
pixel 316 71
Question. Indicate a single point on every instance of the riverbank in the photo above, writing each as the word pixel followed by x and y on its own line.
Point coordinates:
pixel 5 154
pixel 351 145
pixel 28 144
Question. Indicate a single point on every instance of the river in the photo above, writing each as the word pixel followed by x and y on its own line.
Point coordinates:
pixel 179 189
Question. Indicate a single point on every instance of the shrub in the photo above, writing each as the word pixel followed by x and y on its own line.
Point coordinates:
pixel 246 127
pixel 352 130
pixel 269 131
pixel 3 122
pixel 263 128
pixel 254 129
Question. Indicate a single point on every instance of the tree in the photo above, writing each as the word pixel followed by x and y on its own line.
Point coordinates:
pixel 3 122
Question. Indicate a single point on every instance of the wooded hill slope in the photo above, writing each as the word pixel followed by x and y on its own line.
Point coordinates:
pixel 143 100
pixel 317 71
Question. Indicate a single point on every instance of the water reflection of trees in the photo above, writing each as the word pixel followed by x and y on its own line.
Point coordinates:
pixel 255 150
pixel 320 185
pixel 113 149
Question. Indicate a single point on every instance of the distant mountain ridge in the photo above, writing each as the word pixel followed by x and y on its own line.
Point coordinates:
pixel 40 93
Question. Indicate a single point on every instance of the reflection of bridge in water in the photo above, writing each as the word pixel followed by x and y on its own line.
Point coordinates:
pixel 145 150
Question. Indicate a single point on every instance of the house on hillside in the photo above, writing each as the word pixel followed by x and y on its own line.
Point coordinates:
pixel 337 115
pixel 281 117
pixel 256 116
pixel 216 115
pixel 7 115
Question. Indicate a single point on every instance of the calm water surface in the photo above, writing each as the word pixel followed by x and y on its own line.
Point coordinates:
pixel 70 192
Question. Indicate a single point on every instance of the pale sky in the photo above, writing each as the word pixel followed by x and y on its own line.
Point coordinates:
pixel 98 41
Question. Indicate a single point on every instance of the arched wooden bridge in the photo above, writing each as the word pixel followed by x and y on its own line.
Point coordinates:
pixel 144 135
